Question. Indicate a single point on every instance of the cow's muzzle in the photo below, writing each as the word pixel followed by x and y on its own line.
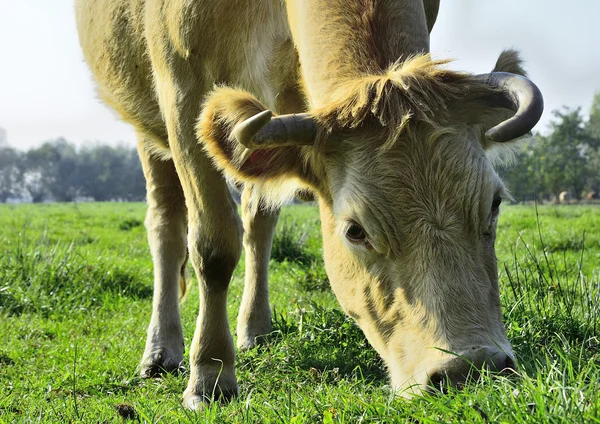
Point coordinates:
pixel 468 366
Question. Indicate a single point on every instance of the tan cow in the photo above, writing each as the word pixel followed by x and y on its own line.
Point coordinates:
pixel 394 146
pixel 564 197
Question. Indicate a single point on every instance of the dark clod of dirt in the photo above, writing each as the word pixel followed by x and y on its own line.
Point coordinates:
pixel 6 360
pixel 127 412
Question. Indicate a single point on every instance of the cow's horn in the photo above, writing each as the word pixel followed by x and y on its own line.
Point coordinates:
pixel 518 94
pixel 262 131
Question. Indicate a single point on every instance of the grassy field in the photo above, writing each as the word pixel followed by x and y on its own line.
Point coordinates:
pixel 75 300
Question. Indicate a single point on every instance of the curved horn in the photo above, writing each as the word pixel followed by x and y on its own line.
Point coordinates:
pixel 518 94
pixel 263 131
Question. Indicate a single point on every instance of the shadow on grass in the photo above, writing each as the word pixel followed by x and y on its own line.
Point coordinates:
pixel 289 244
pixel 129 223
pixel 322 342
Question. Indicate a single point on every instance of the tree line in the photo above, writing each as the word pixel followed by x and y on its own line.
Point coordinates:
pixel 567 159
pixel 59 171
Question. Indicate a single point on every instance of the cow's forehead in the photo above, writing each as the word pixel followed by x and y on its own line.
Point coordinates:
pixel 414 183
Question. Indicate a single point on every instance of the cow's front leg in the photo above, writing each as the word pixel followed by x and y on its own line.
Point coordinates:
pixel 214 226
pixel 214 241
pixel 166 224
pixel 254 319
pixel 214 244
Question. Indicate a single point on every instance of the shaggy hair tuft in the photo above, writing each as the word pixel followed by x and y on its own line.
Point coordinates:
pixel 416 90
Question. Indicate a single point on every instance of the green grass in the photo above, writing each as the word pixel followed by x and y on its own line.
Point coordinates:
pixel 75 300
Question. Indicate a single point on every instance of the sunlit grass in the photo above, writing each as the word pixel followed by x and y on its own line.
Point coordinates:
pixel 75 299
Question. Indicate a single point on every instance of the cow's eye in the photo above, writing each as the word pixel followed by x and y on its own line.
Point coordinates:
pixel 355 233
pixel 496 205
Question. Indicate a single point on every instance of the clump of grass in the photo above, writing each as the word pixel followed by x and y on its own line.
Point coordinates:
pixel 324 343
pixel 129 223
pixel 48 278
pixel 312 277
pixel 571 243
pixel 549 300
pixel 289 244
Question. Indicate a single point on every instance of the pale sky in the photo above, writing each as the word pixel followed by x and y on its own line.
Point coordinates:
pixel 46 90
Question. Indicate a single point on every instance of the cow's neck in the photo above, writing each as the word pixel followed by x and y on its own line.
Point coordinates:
pixel 340 39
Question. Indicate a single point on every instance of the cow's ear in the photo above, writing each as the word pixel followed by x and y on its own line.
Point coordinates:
pixel 510 61
pixel 503 105
pixel 263 158
pixel 484 111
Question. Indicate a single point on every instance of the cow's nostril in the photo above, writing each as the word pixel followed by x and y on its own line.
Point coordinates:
pixel 460 370
pixel 509 366
pixel 510 363
pixel 500 363
pixel 438 381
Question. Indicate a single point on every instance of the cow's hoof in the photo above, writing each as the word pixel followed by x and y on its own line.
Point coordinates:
pixel 194 401
pixel 247 342
pixel 160 362
pixel 250 336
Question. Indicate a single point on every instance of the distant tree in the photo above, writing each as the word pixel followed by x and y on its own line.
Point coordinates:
pixel 51 171
pixel 594 171
pixel 10 173
pixel 109 173
pixel 564 154
pixel 133 184
pixel 593 124
pixel 32 168
pixel 593 130
pixel 566 159
pixel 61 174
pixel 523 176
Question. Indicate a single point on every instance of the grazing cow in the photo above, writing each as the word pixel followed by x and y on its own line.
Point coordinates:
pixel 393 145
pixel 590 196
pixel 564 197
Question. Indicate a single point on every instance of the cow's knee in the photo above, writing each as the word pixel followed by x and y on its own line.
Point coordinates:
pixel 218 268
pixel 215 257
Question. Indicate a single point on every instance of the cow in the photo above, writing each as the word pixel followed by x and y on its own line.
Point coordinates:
pixel 564 197
pixel 338 98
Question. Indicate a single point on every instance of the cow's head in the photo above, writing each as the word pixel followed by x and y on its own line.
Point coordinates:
pixel 408 198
